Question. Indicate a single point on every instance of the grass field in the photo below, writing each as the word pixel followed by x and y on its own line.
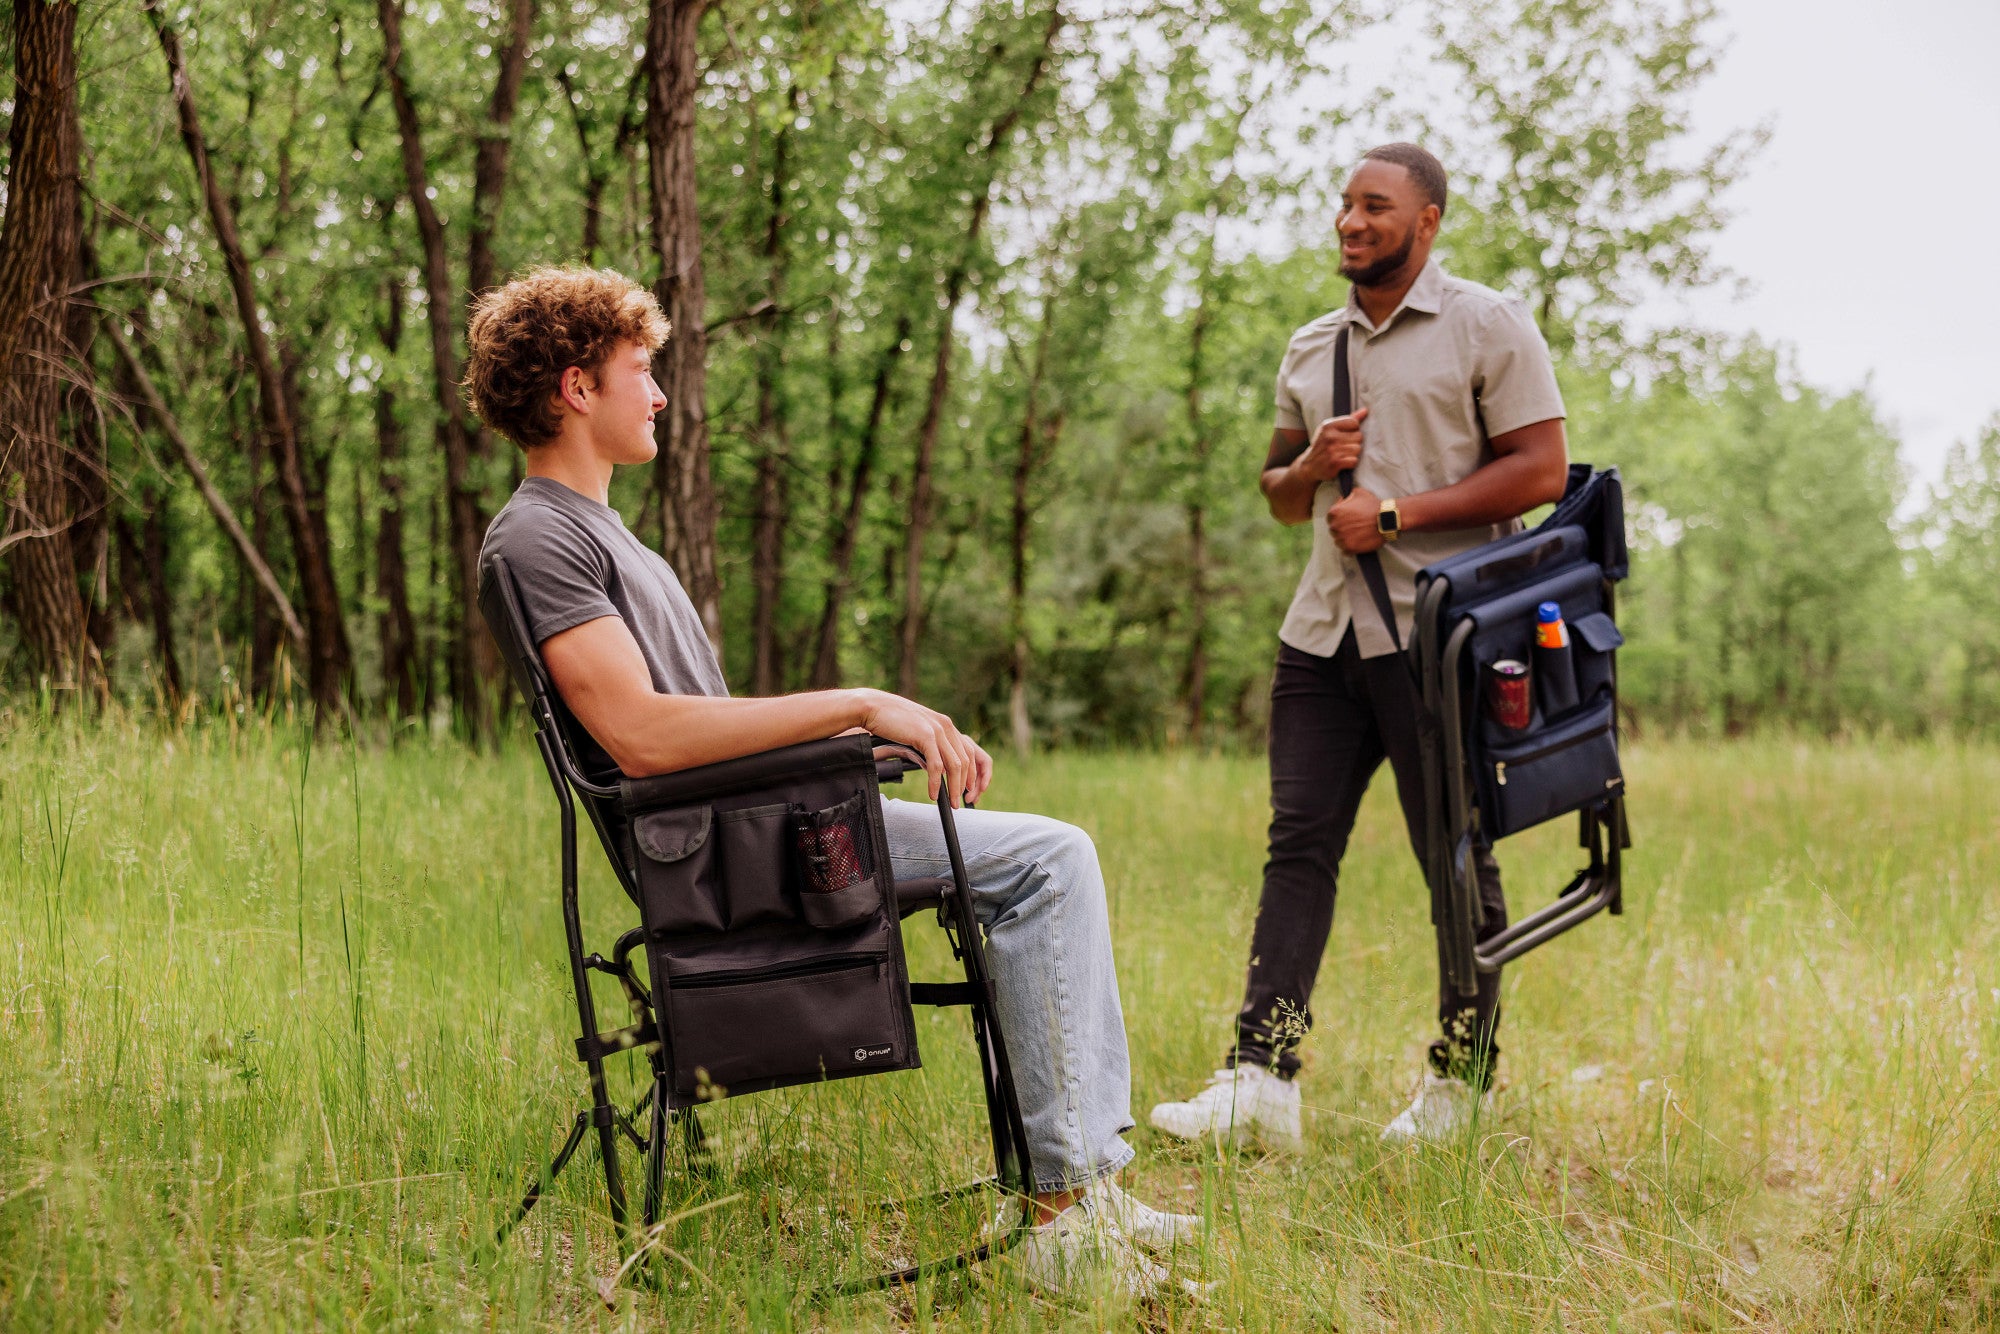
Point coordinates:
pixel 282 1033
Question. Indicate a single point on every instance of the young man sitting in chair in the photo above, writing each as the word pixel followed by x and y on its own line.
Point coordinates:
pixel 561 363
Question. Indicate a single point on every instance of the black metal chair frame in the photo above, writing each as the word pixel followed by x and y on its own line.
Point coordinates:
pixel 952 899
pixel 1437 653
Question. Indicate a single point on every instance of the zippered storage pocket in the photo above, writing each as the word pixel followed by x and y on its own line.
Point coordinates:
pixel 739 1030
pixel 1557 770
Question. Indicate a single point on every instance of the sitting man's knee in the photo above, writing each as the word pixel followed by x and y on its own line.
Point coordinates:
pixel 1068 844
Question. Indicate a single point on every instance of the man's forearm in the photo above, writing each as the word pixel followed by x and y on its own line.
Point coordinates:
pixel 1289 495
pixel 1506 488
pixel 675 732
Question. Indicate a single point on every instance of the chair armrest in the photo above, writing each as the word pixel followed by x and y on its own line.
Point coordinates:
pixel 913 896
pixel 901 759
pixel 749 771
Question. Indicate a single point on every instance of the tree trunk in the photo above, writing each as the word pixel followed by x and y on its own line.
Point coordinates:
pixel 1194 670
pixel 142 565
pixel 247 549
pixel 396 627
pixel 328 665
pixel 474 663
pixel 918 526
pixel 683 482
pixel 432 547
pixel 90 461
pixel 159 599
pixel 496 139
pixel 490 163
pixel 1018 722
pixel 826 660
pixel 595 174
pixel 596 170
pixel 1028 457
pixel 767 539
pixel 1194 676
pixel 267 632
pixel 42 153
pixel 37 255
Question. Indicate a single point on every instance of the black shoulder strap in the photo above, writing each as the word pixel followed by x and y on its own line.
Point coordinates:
pixel 1371 564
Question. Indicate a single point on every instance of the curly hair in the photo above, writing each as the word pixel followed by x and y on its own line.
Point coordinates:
pixel 525 335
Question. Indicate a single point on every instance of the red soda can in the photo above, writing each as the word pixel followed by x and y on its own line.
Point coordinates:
pixel 1509 700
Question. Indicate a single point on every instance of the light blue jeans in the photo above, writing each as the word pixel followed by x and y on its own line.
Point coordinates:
pixel 1037 889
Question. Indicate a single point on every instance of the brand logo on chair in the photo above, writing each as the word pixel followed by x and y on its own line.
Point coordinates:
pixel 862 1054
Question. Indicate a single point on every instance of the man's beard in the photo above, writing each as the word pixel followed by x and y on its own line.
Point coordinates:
pixel 1369 275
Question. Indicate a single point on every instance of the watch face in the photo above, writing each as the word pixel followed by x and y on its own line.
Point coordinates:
pixel 1388 521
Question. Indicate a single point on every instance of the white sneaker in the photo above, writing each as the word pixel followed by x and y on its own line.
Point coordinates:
pixel 1081 1251
pixel 1246 1098
pixel 1150 1227
pixel 1443 1110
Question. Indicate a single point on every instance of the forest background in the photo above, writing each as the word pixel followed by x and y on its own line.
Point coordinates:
pixel 978 305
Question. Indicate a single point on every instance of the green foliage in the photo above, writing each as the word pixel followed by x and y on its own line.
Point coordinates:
pixel 1963 529
pixel 1767 573
pixel 1591 197
pixel 1124 307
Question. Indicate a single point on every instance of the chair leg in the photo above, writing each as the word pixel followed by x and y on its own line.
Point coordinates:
pixel 1003 1100
pixel 656 1153
pixel 605 1116
pixel 541 1183
pixel 694 1143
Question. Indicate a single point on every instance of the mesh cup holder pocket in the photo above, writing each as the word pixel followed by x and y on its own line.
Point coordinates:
pixel 836 857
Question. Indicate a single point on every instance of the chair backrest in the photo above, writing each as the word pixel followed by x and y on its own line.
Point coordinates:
pixel 507 620
pixel 1586 528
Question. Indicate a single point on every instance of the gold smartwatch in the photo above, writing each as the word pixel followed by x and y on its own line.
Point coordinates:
pixel 1389 522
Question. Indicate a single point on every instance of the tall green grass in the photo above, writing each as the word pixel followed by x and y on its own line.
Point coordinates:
pixel 285 1025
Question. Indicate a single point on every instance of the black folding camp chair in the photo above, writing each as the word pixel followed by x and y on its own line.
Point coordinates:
pixel 1485 781
pixel 769 918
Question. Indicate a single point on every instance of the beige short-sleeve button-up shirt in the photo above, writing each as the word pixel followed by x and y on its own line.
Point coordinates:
pixel 1455 365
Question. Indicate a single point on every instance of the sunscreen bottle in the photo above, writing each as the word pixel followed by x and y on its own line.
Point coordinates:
pixel 1555 672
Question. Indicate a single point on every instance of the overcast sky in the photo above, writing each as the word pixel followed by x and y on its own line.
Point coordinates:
pixel 1867 225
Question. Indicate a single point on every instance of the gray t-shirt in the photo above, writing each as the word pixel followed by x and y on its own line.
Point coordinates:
pixel 575 561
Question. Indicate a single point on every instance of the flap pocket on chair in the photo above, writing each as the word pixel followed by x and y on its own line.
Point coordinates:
pixel 668 836
pixel 1596 638
pixel 676 870
pixel 1599 633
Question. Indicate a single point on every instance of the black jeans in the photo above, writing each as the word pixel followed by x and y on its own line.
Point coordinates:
pixel 1333 721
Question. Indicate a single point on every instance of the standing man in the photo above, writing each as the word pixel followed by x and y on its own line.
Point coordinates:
pixel 1457 431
